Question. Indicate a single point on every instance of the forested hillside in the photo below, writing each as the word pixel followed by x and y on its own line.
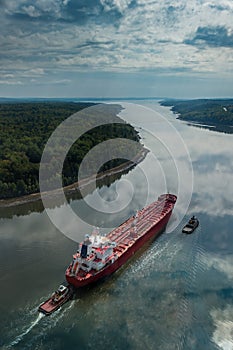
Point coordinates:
pixel 24 131
pixel 204 111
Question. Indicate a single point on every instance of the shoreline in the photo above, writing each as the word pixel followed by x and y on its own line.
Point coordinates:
pixel 35 197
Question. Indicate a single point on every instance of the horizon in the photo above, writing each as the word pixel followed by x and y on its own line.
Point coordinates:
pixel 83 99
pixel 116 49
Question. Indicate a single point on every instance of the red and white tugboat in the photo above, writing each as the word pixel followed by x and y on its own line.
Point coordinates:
pixel 100 256
pixel 57 299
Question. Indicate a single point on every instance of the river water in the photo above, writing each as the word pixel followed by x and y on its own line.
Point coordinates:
pixel 176 295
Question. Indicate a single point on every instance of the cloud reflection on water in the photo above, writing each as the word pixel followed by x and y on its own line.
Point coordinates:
pixel 211 155
pixel 182 285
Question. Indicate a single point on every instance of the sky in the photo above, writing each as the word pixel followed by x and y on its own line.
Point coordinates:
pixel 116 48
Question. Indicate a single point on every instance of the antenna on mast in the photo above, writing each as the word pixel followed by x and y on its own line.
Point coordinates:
pixel 95 233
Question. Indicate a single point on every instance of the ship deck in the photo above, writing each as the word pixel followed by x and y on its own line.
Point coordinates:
pixel 136 226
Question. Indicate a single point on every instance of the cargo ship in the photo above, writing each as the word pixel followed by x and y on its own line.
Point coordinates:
pixel 99 256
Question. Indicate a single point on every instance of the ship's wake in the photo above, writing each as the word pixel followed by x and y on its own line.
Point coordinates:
pixel 22 335
pixel 48 323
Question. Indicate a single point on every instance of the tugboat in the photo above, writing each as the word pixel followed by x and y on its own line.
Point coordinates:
pixel 191 225
pixel 57 299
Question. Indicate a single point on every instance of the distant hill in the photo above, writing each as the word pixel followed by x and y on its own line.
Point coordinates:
pixel 215 112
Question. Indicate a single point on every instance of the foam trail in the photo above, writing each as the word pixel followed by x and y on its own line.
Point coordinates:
pixel 58 315
pixel 33 324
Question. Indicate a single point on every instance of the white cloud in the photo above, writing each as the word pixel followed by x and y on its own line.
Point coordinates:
pixel 37 71
pixel 147 36
pixel 223 5
pixel 10 82
pixel 31 11
pixel 35 8
pixel 120 5
pixel 62 81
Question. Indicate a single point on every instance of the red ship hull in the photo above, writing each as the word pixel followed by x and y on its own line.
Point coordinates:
pixel 151 234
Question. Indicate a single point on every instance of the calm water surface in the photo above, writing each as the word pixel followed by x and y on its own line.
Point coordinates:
pixel 176 295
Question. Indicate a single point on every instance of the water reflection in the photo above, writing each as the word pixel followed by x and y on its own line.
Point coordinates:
pixel 177 294
pixel 74 194
pixel 225 129
pixel 212 160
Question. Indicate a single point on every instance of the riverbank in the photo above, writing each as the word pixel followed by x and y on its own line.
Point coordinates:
pixel 76 186
pixel 212 114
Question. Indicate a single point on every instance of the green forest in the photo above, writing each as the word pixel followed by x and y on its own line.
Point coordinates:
pixel 24 131
pixel 217 112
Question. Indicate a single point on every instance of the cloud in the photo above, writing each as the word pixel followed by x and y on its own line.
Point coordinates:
pixel 147 36
pixel 31 11
pixel 10 82
pixel 37 71
pixel 119 5
pixel 224 5
pixel 212 36
pixel 36 8
pixel 68 11
pixel 62 81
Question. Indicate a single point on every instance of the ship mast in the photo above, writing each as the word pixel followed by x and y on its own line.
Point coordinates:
pixel 95 233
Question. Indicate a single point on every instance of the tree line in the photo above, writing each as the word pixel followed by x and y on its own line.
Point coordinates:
pixel 24 131
pixel 205 111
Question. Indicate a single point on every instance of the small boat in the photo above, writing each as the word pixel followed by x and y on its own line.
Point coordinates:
pixel 191 225
pixel 57 299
